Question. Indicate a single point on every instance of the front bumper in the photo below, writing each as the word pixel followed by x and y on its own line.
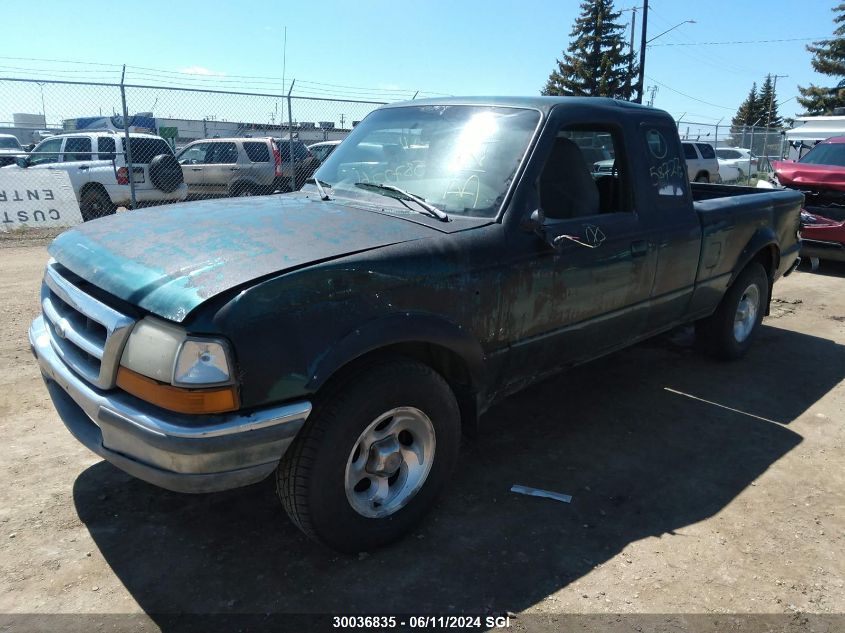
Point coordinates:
pixel 179 452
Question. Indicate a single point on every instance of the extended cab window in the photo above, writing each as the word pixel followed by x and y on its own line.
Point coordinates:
pixel 585 174
pixel 77 148
pixel 666 171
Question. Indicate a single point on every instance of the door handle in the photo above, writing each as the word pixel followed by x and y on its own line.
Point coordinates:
pixel 234 168
pixel 639 248
pixel 196 168
pixel 83 168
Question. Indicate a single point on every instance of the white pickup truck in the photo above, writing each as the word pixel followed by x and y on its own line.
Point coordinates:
pixel 96 163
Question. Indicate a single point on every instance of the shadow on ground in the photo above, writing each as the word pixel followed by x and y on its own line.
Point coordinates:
pixel 640 460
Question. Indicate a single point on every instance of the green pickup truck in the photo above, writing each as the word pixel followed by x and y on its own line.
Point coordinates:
pixel 343 337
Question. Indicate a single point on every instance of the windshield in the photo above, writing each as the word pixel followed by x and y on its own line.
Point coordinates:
pixel 825 154
pixel 460 159
pixel 9 143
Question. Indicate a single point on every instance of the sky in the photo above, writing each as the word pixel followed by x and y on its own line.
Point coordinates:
pixel 389 49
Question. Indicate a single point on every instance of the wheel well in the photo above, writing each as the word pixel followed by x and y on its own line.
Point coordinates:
pixel 768 258
pixel 444 361
pixel 89 186
pixel 704 173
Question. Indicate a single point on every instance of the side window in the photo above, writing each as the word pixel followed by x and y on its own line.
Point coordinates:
pixel 193 155
pixel 105 148
pixel 257 151
pixel 689 151
pixel 300 152
pixel 585 174
pixel 666 171
pixel 223 154
pixel 46 152
pixel 77 148
pixel 706 150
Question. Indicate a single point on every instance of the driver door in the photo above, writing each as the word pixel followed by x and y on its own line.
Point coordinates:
pixel 589 292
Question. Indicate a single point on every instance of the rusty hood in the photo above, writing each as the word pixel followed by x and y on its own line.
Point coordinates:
pixel 170 259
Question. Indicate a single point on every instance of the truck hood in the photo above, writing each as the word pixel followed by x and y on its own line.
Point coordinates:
pixel 170 259
pixel 797 175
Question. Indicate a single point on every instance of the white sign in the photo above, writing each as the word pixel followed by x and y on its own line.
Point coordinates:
pixel 37 197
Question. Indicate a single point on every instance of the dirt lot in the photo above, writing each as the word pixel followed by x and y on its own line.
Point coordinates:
pixel 698 487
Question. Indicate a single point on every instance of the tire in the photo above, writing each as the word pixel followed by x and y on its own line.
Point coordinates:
pixel 315 478
pixel 96 204
pixel 740 174
pixel 166 173
pixel 723 334
pixel 702 178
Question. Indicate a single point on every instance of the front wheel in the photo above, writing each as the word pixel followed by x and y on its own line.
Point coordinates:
pixel 728 332
pixel 377 449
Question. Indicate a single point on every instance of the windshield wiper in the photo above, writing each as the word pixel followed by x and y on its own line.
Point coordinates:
pixel 405 195
pixel 319 185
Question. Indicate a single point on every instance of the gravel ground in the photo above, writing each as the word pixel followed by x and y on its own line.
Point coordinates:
pixel 698 488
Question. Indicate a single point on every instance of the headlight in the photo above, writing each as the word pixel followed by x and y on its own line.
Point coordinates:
pixel 201 362
pixel 164 366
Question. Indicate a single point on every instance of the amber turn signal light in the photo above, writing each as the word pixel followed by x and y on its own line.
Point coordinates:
pixel 212 400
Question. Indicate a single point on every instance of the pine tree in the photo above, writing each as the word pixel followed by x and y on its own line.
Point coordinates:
pixel 596 61
pixel 745 117
pixel 768 98
pixel 828 59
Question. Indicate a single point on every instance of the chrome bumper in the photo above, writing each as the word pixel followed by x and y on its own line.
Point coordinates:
pixel 175 451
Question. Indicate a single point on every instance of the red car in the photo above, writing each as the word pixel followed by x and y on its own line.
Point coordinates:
pixel 822 237
pixel 823 167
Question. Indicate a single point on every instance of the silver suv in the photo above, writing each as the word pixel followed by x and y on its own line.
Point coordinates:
pixel 702 165
pixel 231 166
pixel 96 164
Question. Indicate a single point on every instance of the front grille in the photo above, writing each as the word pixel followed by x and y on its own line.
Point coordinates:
pixel 87 334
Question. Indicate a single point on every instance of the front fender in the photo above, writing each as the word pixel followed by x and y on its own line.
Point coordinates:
pixel 405 327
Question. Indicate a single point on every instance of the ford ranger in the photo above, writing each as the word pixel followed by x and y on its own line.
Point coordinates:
pixel 343 337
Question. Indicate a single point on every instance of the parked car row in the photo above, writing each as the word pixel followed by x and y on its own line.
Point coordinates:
pixel 97 165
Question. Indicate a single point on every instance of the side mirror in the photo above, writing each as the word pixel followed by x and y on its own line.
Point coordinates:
pixel 22 161
pixel 535 223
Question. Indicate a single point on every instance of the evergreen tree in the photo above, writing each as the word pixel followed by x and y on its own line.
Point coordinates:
pixel 596 61
pixel 767 98
pixel 828 59
pixel 746 114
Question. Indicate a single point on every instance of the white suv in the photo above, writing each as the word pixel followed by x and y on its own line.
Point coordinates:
pixel 702 165
pixel 97 166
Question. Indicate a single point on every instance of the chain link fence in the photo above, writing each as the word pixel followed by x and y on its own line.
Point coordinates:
pixel 135 145
pixel 130 145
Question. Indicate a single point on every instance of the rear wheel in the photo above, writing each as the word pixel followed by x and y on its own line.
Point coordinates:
pixel 376 451
pixel 702 178
pixel 96 204
pixel 728 333
pixel 244 190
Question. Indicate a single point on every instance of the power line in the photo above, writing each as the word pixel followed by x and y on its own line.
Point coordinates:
pixel 791 39
pixel 683 94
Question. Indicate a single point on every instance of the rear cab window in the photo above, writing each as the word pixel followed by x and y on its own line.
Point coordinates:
pixel 257 152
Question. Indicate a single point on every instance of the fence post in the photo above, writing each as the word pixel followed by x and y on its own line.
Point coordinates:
pixel 290 141
pixel 126 145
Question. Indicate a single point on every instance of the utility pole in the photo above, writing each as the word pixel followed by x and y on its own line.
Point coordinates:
pixel 342 119
pixel 628 86
pixel 641 76
pixel 653 91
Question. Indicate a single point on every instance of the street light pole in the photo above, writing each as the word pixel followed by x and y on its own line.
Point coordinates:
pixel 644 42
